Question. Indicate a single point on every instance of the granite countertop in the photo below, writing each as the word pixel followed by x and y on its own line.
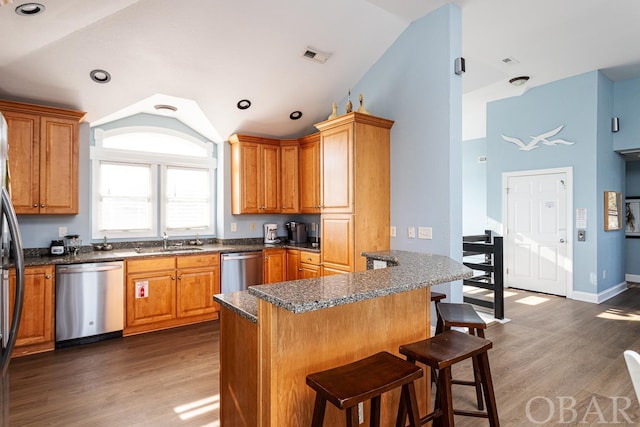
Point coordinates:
pixel 411 271
pixel 126 253
pixel 243 303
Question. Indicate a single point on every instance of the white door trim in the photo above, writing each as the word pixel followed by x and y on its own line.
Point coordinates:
pixel 569 173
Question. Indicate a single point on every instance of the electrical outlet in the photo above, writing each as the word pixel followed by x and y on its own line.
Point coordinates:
pixel 234 227
pixel 412 232
pixel 62 231
pixel 424 233
pixel 393 231
pixel 604 274
pixel 253 226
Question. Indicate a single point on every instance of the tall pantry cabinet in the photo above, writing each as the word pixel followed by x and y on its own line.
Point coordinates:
pixel 354 190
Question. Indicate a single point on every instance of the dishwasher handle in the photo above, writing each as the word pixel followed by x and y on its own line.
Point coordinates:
pixel 250 255
pixel 85 269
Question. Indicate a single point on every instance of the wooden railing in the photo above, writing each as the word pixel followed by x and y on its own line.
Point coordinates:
pixel 490 270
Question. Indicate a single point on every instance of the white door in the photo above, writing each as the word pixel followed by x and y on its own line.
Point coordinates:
pixel 536 243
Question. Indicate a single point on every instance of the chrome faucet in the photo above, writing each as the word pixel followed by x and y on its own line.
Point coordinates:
pixel 165 241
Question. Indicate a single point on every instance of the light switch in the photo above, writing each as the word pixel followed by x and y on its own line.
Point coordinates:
pixel 412 232
pixel 582 235
pixel 392 231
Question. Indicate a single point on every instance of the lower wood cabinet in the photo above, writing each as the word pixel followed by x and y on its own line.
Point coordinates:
pixel 36 331
pixel 163 292
pixel 293 264
pixel 302 264
pixel 309 265
pixel 274 265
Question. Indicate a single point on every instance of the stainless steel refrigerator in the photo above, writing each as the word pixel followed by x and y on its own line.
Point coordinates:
pixel 11 254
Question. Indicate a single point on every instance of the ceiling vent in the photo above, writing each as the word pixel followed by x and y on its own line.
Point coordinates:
pixel 510 60
pixel 316 55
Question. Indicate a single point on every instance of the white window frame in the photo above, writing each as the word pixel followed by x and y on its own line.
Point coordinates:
pixel 157 161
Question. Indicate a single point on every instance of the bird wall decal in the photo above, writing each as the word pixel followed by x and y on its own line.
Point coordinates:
pixel 535 140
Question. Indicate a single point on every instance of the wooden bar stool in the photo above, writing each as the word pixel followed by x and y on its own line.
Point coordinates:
pixel 463 316
pixel 441 352
pixel 347 385
pixel 437 297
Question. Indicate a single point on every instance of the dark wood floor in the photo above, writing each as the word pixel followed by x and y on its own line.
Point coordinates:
pixel 552 351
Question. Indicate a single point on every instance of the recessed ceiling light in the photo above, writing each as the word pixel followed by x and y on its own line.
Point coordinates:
pixel 519 81
pixel 243 104
pixel 100 76
pixel 30 9
pixel 295 115
pixel 165 108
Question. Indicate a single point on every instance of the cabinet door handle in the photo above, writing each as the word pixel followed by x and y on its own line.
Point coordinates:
pixel 48 276
pixel 35 205
pixel 173 277
pixel 42 205
pixel 180 277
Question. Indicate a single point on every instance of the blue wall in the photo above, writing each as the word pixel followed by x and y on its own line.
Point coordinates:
pixel 413 83
pixel 627 108
pixel 583 104
pixel 611 177
pixel 474 187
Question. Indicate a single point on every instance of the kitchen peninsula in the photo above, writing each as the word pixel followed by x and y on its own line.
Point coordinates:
pixel 272 336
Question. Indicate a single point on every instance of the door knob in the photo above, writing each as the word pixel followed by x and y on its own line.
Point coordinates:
pixel 561 240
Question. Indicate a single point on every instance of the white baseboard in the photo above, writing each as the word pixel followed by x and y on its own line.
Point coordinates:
pixel 602 296
pixel 632 278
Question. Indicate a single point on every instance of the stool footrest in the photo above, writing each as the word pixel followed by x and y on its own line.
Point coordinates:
pixel 432 416
pixel 463 382
pixel 470 413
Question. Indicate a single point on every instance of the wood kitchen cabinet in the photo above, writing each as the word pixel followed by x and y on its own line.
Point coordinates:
pixel 43 157
pixel 255 175
pixel 36 331
pixel 198 280
pixel 309 265
pixel 289 176
pixel 354 189
pixel 309 161
pixel 274 265
pixel 302 264
pixel 293 264
pixel 164 292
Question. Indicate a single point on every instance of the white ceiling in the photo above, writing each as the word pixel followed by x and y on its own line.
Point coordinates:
pixel 203 56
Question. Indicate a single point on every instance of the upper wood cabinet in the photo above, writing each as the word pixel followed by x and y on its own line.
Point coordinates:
pixel 43 157
pixel 355 187
pixel 336 169
pixel 310 173
pixel 255 175
pixel 289 176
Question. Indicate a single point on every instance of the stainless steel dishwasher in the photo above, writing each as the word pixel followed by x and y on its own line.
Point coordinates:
pixel 241 270
pixel 89 302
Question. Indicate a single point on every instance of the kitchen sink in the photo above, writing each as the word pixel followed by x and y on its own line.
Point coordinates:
pixel 171 249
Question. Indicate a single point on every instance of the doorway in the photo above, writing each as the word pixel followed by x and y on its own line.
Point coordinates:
pixel 538 229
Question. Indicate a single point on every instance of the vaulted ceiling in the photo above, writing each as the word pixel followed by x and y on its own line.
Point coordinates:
pixel 203 56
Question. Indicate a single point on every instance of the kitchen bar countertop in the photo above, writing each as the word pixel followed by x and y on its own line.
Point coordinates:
pixel 408 271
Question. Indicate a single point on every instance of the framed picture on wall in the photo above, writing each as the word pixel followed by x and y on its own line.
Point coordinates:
pixel 632 216
pixel 612 210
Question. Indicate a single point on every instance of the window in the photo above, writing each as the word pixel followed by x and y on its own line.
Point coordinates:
pixel 150 180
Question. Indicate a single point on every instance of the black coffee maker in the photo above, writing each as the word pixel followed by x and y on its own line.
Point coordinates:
pixel 296 232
